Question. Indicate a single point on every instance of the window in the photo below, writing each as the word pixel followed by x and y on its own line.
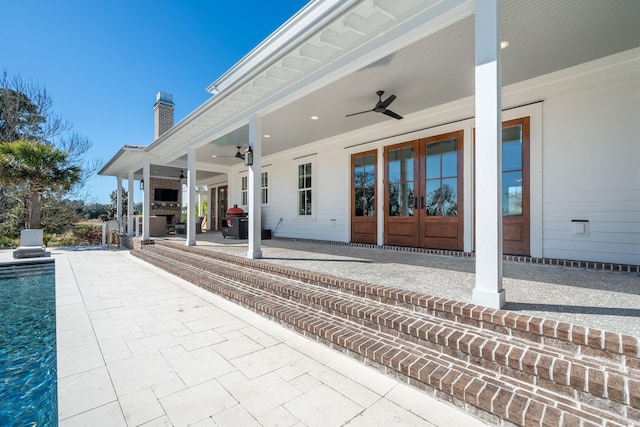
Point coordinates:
pixel 512 170
pixel 265 187
pixel 442 178
pixel 364 185
pixel 245 190
pixel 305 190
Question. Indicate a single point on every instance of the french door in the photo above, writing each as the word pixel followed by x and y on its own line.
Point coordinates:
pixel 363 197
pixel 515 187
pixel 516 224
pixel 424 192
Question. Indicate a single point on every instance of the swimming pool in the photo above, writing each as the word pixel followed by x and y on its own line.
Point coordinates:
pixel 28 381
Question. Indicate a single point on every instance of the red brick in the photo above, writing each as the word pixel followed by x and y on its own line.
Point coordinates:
pixel 515 409
pixel 446 385
pixel 509 319
pixel 486 397
pixel 535 325
pixel 460 385
pixel 436 376
pixel 533 415
pixel 634 393
pixel 529 362
pixel 596 383
pixel 522 322
pixel 501 353
pixel 549 328
pixel 488 350
pixel 406 363
pixel 472 391
pixel 612 342
pixel 594 338
pixel 515 355
pixel 563 331
pixel 629 346
pixel 543 367
pixel 551 417
pixel 615 388
pixel 425 372
pixel 579 335
pixel 500 402
pixel 561 372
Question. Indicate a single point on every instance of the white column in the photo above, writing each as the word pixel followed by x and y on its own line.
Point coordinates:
pixel 488 290
pixel 209 208
pixel 191 191
pixel 130 204
pixel 146 200
pixel 255 189
pixel 119 204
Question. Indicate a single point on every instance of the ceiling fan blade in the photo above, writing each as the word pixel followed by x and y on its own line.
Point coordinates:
pixel 361 112
pixel 388 101
pixel 392 114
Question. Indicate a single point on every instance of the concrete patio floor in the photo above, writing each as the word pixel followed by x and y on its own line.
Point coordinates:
pixel 140 347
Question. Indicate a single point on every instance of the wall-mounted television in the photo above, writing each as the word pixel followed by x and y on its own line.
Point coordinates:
pixel 165 195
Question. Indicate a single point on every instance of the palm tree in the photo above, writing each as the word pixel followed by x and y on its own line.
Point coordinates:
pixel 38 166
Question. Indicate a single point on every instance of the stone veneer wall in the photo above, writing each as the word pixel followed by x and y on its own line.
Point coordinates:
pixel 166 208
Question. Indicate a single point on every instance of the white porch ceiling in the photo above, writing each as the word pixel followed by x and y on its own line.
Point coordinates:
pixel 544 36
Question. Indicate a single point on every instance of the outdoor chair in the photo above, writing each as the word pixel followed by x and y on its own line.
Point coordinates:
pixel 31 245
pixel 113 234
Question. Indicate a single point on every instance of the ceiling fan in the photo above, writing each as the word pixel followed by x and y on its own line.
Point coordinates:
pixel 238 155
pixel 381 107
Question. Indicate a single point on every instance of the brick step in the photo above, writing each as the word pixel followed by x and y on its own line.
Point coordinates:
pixel 532 362
pixel 465 364
pixel 601 346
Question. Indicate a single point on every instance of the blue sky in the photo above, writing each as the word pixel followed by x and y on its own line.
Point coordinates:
pixel 103 62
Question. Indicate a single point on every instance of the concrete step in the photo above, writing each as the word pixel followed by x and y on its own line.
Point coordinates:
pixel 480 364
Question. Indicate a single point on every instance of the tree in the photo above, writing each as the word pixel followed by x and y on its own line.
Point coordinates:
pixel 26 115
pixel 40 167
pixel 112 209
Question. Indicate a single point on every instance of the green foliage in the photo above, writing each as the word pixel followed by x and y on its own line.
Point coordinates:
pixel 80 235
pixel 112 209
pixel 40 167
pixel 7 243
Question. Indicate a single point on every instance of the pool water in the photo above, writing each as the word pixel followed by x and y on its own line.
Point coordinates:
pixel 28 382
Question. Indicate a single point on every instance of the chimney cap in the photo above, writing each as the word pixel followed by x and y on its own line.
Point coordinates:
pixel 165 97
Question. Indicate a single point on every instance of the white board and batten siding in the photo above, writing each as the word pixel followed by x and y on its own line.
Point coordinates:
pixel 585 164
pixel 591 161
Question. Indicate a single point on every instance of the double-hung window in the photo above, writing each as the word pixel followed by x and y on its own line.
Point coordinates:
pixel 305 190
pixel 244 185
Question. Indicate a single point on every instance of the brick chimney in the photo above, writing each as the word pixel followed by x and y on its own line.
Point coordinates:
pixel 162 114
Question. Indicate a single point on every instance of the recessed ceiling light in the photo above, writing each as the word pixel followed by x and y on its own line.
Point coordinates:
pixel 266 135
pixel 213 155
pixel 314 117
pixel 504 44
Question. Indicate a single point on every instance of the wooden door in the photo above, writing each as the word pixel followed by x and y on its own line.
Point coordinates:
pixel 223 205
pixel 441 192
pixel 364 179
pixel 515 187
pixel 401 201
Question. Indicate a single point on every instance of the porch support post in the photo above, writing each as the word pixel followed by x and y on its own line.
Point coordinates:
pixel 255 188
pixel 119 204
pixel 488 289
pixel 191 191
pixel 130 203
pixel 146 200
pixel 209 208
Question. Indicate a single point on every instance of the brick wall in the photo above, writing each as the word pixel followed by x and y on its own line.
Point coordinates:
pixel 166 208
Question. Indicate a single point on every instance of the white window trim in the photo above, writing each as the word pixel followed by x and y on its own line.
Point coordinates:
pixel 314 189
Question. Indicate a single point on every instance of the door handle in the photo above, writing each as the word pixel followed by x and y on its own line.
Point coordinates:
pixel 422 202
pixel 415 203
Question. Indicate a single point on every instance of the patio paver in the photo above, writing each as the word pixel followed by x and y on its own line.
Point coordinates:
pixel 174 354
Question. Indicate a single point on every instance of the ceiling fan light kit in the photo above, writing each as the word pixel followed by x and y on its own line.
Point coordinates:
pixel 381 107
